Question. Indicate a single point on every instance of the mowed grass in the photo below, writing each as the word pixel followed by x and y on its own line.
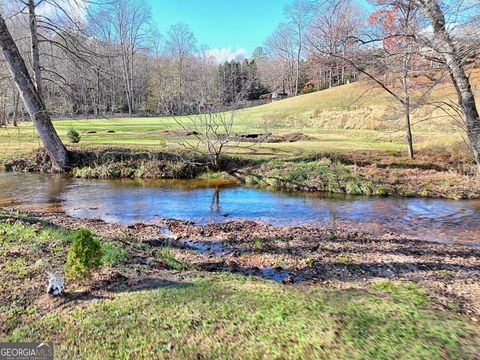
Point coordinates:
pixel 232 317
pixel 146 133
pixel 352 117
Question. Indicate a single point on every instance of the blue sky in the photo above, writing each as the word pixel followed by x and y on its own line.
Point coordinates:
pixel 229 25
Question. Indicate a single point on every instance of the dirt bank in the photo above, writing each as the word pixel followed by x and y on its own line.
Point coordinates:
pixel 305 256
pixel 436 174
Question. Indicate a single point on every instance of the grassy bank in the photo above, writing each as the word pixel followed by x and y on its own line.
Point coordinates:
pixel 140 305
pixel 435 173
pixel 371 174
pixel 346 145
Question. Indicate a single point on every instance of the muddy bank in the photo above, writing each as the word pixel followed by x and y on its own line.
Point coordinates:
pixel 269 137
pixel 305 256
pixel 334 257
pixel 435 174
pixel 114 163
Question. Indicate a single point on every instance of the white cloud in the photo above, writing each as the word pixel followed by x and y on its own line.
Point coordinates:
pixel 57 10
pixel 222 55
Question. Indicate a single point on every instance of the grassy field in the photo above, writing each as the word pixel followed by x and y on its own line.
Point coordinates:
pixel 228 317
pixel 352 117
pixel 189 314
pixel 146 133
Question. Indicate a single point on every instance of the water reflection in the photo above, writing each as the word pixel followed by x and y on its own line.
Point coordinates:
pixel 128 201
pixel 215 204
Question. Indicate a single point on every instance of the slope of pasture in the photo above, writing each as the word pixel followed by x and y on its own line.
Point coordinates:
pixel 352 117
pixel 360 105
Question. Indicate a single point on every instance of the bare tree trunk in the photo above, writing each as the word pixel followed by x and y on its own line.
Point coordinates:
pixel 297 75
pixel 32 99
pixel 408 125
pixel 406 101
pixel 443 44
pixel 37 72
pixel 128 84
pixel 16 100
pixel 3 114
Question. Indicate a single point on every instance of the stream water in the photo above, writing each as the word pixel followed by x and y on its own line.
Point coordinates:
pixel 130 201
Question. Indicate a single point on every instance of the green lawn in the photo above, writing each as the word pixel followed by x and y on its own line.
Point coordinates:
pixel 232 317
pixel 351 117
pixel 213 315
pixel 146 133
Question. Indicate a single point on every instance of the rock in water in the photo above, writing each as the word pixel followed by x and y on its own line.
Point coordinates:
pixel 55 283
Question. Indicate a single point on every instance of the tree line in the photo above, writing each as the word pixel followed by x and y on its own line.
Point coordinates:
pixel 105 58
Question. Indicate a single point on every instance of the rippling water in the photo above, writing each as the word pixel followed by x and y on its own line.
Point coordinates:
pixel 129 201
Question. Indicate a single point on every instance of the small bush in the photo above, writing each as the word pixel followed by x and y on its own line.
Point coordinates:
pixel 84 255
pixel 73 136
pixel 308 90
pixel 257 242
pixel 331 236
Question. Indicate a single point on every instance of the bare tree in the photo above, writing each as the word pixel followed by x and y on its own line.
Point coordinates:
pixel 331 27
pixel 299 13
pixel 210 131
pixel 282 49
pixel 396 27
pixel 126 23
pixel 32 20
pixel 385 52
pixel 32 99
pixel 181 45
pixel 53 24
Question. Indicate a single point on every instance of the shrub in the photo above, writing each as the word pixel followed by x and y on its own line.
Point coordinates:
pixel 84 255
pixel 257 242
pixel 73 136
pixel 308 90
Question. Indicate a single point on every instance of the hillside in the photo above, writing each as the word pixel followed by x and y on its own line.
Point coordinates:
pixel 351 117
pixel 360 105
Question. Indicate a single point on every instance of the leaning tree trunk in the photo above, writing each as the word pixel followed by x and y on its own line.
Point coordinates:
pixel 32 99
pixel 443 44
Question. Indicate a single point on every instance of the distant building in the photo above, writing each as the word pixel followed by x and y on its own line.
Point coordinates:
pixel 278 96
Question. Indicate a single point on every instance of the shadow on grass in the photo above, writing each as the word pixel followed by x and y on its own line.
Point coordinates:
pixel 120 284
